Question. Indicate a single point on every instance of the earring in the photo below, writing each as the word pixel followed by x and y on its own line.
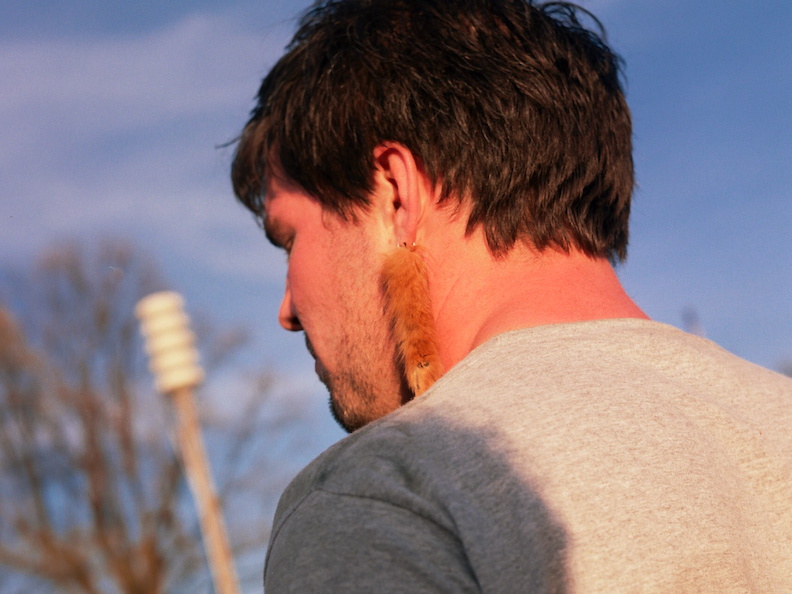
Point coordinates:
pixel 408 305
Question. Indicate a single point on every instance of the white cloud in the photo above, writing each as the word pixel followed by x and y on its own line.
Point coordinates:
pixel 201 65
pixel 119 134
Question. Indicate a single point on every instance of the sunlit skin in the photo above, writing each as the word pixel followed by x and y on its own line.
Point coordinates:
pixel 333 294
pixel 333 288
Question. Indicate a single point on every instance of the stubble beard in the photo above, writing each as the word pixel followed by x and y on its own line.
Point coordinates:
pixel 370 387
pixel 367 382
pixel 344 390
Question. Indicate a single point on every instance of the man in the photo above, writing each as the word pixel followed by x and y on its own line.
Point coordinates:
pixel 451 181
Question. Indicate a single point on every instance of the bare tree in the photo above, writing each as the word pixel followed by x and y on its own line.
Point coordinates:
pixel 92 495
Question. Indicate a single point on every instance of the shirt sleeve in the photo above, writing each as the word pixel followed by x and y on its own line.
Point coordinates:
pixel 343 543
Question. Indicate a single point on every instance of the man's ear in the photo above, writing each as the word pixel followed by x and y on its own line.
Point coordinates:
pixel 403 189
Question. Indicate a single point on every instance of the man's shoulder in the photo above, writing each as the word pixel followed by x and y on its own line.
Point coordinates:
pixel 383 460
pixel 541 436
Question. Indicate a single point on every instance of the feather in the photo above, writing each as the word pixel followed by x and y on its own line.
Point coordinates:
pixel 408 305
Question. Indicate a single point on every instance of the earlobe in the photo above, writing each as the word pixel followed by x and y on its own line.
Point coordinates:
pixel 408 187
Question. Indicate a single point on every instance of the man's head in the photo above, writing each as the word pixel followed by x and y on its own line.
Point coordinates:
pixel 509 113
pixel 514 110
pixel 333 294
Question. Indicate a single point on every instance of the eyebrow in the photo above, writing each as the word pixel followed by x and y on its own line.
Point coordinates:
pixel 275 232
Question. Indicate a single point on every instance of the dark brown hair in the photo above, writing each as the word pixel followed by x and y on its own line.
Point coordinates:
pixel 513 107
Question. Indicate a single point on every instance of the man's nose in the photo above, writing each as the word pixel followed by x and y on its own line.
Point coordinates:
pixel 286 316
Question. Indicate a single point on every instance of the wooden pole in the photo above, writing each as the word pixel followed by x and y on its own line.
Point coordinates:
pixel 196 467
pixel 174 361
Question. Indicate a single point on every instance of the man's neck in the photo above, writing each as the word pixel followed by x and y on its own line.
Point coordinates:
pixel 476 296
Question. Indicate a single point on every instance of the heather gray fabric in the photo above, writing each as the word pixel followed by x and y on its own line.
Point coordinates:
pixel 608 456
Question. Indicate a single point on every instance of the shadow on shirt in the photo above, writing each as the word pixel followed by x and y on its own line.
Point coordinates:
pixel 414 504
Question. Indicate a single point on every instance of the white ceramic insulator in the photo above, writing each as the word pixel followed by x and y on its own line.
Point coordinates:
pixel 169 342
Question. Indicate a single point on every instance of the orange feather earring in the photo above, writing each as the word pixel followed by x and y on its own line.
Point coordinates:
pixel 408 305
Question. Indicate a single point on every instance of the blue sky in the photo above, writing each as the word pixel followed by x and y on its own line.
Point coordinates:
pixel 111 112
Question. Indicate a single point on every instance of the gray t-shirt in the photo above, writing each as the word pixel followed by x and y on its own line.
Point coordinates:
pixel 606 456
